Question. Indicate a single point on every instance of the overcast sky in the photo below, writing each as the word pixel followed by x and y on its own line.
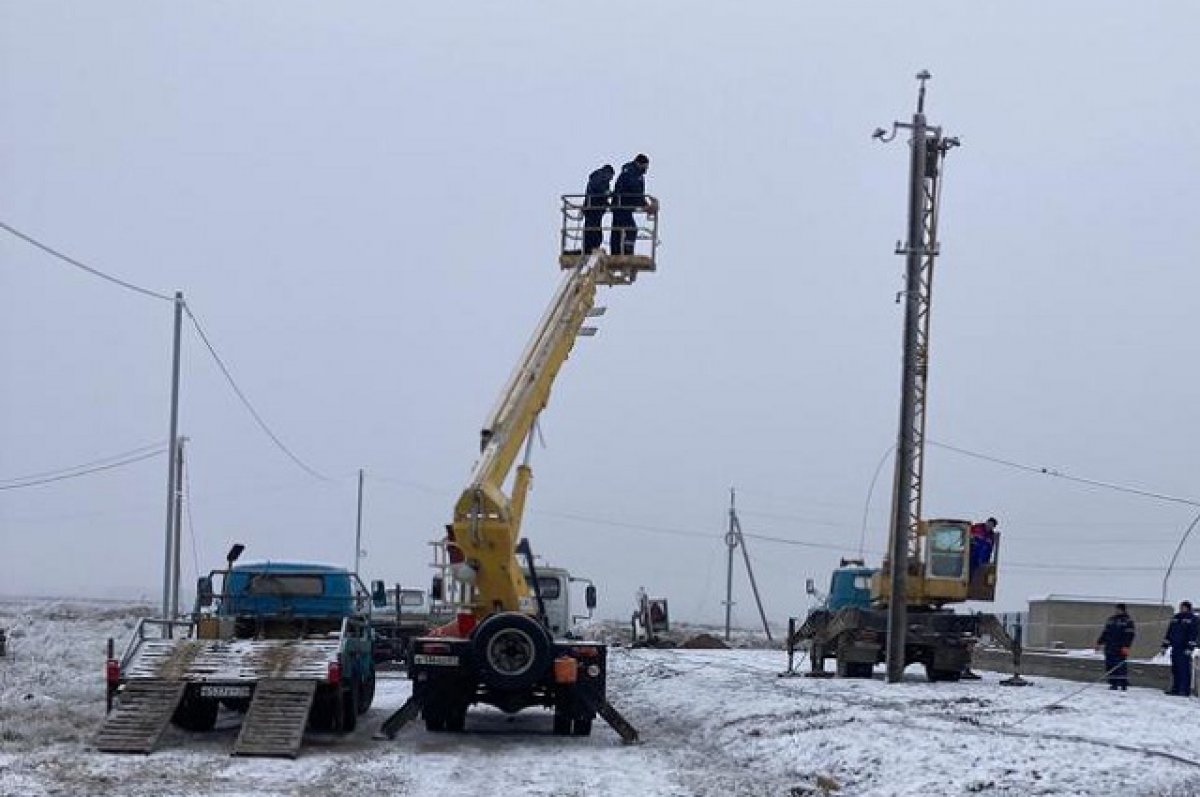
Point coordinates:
pixel 359 203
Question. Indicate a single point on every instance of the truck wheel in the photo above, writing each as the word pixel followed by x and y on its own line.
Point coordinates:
pixel 456 719
pixel 513 650
pixel 366 694
pixel 935 675
pixel 582 727
pixel 350 710
pixel 194 714
pixel 435 718
pixel 853 669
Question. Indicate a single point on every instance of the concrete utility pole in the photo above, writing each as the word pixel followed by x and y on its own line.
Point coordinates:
pixel 177 535
pixel 733 539
pixel 927 148
pixel 172 453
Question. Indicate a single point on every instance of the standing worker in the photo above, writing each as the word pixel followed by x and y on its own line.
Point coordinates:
pixel 629 194
pixel 595 204
pixel 1116 638
pixel 1181 639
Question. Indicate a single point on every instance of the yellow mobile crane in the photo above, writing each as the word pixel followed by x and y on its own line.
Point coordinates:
pixel 929 562
pixel 499 650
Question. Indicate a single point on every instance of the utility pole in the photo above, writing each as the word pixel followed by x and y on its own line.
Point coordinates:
pixel 358 523
pixel 173 443
pixel 177 536
pixel 733 539
pixel 927 148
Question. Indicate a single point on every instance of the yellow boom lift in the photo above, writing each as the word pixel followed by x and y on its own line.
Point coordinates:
pixel 499 650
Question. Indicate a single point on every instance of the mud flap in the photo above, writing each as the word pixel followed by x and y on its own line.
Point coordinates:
pixel 613 717
pixel 402 716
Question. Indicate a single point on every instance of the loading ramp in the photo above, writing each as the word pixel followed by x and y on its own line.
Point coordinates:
pixel 274 724
pixel 141 715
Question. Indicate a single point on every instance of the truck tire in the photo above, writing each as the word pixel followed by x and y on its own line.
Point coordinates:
pixel 194 714
pixel 435 717
pixel 366 693
pixel 350 710
pixel 324 710
pixel 854 669
pixel 513 650
pixel 456 718
pixel 935 675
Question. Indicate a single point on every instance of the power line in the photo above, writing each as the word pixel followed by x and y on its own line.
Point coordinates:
pixel 81 466
pixel 72 261
pixel 634 526
pixel 246 402
pixel 96 469
pixel 1068 477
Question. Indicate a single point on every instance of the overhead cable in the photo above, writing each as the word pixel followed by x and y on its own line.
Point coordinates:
pixel 72 468
pixel 1068 477
pixel 89 269
pixel 246 402
pixel 75 474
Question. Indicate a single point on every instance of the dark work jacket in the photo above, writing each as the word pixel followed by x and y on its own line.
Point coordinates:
pixel 1181 633
pixel 597 189
pixel 1118 633
pixel 630 190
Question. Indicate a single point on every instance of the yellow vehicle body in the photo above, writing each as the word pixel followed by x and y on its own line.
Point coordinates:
pixel 939 567
pixel 486 526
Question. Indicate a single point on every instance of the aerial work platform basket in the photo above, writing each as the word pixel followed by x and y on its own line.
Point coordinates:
pixel 579 223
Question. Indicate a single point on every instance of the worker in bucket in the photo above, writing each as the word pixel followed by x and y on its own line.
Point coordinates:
pixel 629 195
pixel 595 205
pixel 983 540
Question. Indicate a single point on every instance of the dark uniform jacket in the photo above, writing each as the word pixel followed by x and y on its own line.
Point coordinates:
pixel 1181 633
pixel 630 190
pixel 597 189
pixel 1118 633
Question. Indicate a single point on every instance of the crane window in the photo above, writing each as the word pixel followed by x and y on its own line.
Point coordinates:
pixel 946 547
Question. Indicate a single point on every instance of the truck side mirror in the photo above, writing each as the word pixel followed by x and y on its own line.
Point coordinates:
pixel 589 596
pixel 378 594
pixel 437 589
pixel 810 588
pixel 204 591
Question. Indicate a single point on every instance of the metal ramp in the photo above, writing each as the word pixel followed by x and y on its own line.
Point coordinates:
pixel 274 725
pixel 143 710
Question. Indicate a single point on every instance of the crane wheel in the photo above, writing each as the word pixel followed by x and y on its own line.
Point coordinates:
pixel 512 650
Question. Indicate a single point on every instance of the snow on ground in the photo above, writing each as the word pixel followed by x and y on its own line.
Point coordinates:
pixel 714 722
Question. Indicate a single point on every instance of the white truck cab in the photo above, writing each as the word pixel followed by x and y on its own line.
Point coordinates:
pixel 555 586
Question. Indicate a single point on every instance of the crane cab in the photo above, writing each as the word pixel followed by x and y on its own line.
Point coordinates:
pixel 947 566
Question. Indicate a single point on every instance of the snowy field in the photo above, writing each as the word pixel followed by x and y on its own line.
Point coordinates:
pixel 714 722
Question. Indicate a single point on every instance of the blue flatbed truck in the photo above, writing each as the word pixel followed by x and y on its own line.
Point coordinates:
pixel 287 644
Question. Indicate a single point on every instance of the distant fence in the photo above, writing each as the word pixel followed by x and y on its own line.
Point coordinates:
pixel 1076 668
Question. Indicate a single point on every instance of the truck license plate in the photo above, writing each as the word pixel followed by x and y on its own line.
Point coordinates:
pixel 224 691
pixel 436 661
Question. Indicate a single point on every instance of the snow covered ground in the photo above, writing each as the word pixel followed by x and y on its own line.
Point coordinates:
pixel 714 722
